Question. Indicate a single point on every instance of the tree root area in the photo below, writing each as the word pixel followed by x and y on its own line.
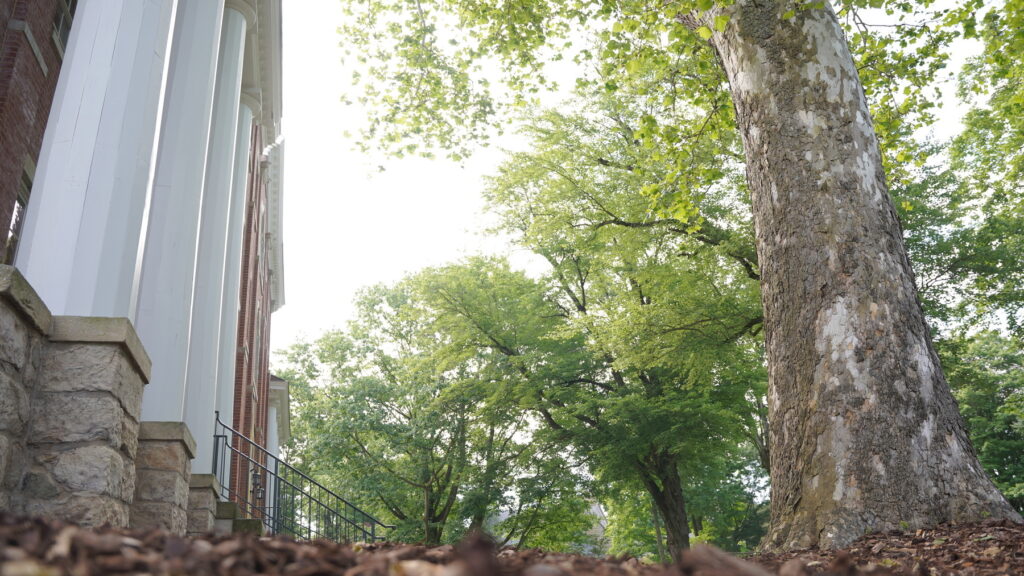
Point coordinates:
pixel 34 547
pixel 987 548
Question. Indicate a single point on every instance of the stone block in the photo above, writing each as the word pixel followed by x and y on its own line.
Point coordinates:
pixel 40 485
pixel 37 349
pixel 5 457
pixel 128 480
pixel 162 486
pixel 129 436
pixel 93 367
pixel 202 503
pixel 169 432
pixel 163 465
pixel 81 508
pixel 159 455
pixel 97 469
pixel 14 405
pixel 23 298
pixel 96 330
pixel 82 417
pixel 202 500
pixel 14 337
pixel 199 522
pixel 162 515
pixel 15 462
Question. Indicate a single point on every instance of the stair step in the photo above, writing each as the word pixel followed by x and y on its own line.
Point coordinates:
pixel 247 526
pixel 226 511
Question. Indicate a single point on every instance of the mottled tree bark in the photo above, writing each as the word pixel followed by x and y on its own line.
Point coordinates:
pixel 864 432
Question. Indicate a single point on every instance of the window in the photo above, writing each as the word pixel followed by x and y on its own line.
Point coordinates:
pixel 62 22
pixel 17 218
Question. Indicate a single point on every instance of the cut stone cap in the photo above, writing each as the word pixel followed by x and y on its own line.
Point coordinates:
pixel 23 297
pixel 90 329
pixel 170 432
pixel 200 481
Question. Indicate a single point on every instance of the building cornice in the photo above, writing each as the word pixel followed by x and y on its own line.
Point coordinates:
pixel 262 93
pixel 269 48
pixel 274 174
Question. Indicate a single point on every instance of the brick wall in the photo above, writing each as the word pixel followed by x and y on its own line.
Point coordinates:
pixel 28 77
pixel 252 376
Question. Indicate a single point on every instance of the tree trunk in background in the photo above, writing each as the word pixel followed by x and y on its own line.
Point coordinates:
pixel 656 519
pixel 864 432
pixel 660 476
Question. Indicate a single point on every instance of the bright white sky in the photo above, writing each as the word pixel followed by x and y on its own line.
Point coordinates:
pixel 346 223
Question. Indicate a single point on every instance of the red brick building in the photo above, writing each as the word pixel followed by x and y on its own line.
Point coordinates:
pixel 34 34
pixel 258 297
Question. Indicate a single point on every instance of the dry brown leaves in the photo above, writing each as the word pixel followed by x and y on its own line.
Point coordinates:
pixel 49 548
pixel 993 547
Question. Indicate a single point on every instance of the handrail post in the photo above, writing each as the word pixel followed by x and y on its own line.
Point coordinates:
pixel 216 421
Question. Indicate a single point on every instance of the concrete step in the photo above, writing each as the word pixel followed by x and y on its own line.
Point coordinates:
pixel 247 526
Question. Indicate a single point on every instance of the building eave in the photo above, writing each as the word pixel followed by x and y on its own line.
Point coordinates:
pixel 270 50
pixel 275 222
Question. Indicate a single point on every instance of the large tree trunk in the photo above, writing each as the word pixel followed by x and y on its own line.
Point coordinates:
pixel 660 476
pixel 864 432
pixel 659 540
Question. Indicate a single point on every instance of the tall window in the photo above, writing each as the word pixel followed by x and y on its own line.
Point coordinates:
pixel 62 22
pixel 17 218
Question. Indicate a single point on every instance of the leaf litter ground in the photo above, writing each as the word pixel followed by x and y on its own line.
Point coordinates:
pixel 34 547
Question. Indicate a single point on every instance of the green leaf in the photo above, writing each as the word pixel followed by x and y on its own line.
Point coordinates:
pixel 704 32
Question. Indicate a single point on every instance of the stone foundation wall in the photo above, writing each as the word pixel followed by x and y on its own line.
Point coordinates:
pixel 203 495
pixel 163 467
pixel 24 321
pixel 69 410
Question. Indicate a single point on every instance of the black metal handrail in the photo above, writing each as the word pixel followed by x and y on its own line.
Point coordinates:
pixel 286 500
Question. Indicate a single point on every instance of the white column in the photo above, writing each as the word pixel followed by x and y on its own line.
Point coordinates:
pixel 164 308
pixel 273 441
pixel 84 221
pixel 274 447
pixel 233 269
pixel 204 340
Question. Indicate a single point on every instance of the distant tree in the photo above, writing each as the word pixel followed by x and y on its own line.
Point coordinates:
pixel 601 364
pixel 421 437
pixel 986 372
